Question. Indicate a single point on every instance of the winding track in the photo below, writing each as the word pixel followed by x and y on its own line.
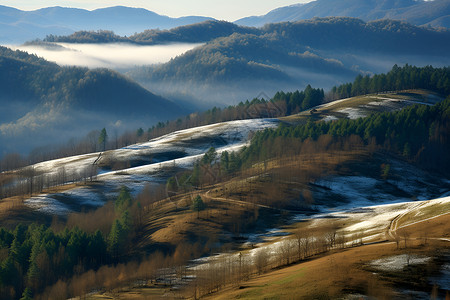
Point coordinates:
pixel 393 227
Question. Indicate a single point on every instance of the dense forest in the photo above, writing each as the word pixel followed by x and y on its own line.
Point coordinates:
pixel 418 133
pixel 36 256
pixel 399 78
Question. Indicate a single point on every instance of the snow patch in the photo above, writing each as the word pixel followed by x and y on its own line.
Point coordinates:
pixel 398 262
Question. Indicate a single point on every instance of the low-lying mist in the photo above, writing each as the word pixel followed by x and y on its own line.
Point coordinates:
pixel 114 56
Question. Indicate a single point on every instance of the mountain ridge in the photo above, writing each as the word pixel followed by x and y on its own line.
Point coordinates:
pixel 320 52
pixel 19 26
pixel 434 13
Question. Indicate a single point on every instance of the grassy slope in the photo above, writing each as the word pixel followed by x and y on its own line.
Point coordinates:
pixel 332 109
pixel 328 276
pixel 172 222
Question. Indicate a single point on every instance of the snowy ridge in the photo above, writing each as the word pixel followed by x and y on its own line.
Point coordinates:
pixel 180 149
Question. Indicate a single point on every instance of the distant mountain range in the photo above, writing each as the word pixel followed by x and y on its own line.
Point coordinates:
pixel 417 12
pixel 42 103
pixel 18 26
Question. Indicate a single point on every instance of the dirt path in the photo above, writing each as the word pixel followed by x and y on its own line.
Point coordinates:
pixel 243 203
pixel 394 225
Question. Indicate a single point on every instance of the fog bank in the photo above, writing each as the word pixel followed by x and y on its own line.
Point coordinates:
pixel 113 56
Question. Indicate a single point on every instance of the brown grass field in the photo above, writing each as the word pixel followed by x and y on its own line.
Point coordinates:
pixel 327 276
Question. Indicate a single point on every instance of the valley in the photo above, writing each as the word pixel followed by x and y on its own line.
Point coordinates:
pixel 316 196
pixel 300 154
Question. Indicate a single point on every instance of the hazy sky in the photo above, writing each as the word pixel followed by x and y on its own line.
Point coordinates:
pixel 229 10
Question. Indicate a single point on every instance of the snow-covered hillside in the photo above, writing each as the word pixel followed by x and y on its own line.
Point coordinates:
pixel 146 163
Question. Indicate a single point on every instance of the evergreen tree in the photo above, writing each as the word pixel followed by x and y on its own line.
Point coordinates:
pixel 103 138
pixel 27 294
pixel 123 200
pixel 198 205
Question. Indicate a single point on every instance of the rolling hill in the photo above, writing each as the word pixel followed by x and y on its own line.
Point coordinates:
pixel 434 13
pixel 17 26
pixel 306 192
pixel 287 56
pixel 43 103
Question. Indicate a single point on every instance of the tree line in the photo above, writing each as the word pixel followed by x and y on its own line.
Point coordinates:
pixel 36 256
pixel 397 79
pixel 281 104
pixel 418 133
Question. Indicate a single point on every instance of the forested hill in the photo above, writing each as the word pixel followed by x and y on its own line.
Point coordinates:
pixel 36 96
pixel 194 33
pixel 417 12
pixel 320 52
pixel 323 33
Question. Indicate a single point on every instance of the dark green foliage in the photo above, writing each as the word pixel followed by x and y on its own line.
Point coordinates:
pixel 140 132
pixel 385 170
pixel 419 132
pixel 27 294
pixel 87 37
pixel 198 205
pixel 103 138
pixel 123 226
pixel 399 78
pixel 38 256
pixel 6 238
pixel 209 157
pixel 124 199
pixel 117 239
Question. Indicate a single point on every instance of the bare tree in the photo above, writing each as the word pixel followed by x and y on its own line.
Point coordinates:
pixel 261 261
pixel 405 235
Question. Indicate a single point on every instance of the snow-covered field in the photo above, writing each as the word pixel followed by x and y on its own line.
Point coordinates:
pixel 374 103
pixel 398 262
pixel 371 223
pixel 156 158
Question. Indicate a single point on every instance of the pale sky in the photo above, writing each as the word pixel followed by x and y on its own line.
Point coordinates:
pixel 229 10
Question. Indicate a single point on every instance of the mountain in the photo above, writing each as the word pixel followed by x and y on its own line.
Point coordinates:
pixel 43 103
pixel 17 26
pixel 417 12
pixel 321 52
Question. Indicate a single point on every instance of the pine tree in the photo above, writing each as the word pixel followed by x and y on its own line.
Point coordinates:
pixel 27 294
pixel 103 138
pixel 198 205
